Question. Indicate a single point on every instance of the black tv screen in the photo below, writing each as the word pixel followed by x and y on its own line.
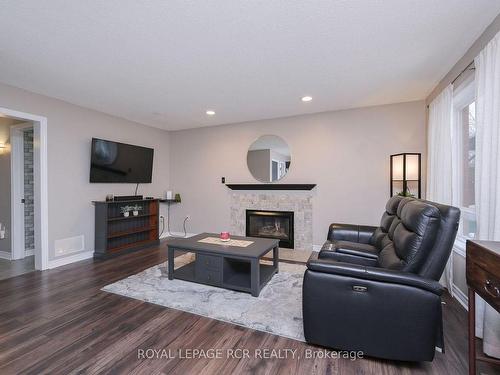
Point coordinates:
pixel 120 162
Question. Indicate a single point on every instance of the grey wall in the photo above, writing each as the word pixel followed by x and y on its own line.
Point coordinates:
pixel 5 124
pixel 70 129
pixel 345 152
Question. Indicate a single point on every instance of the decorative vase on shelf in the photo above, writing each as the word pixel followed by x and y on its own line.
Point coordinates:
pixel 136 209
pixel 125 211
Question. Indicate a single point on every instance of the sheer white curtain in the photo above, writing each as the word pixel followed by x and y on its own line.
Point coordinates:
pixel 439 161
pixel 487 179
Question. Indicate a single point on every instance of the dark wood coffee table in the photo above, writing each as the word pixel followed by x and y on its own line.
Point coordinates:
pixel 224 265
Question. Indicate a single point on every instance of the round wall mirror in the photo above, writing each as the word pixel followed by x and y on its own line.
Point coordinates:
pixel 269 158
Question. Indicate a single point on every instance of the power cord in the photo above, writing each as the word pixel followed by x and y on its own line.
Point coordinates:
pixel 136 187
pixel 168 225
pixel 162 226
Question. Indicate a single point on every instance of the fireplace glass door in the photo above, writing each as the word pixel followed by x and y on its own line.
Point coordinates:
pixel 271 224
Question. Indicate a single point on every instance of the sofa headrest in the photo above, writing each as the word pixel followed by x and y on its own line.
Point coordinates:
pixel 402 203
pixel 392 204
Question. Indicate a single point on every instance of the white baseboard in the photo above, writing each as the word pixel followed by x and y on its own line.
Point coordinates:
pixel 54 263
pixel 5 255
pixel 460 297
pixel 29 253
pixel 177 234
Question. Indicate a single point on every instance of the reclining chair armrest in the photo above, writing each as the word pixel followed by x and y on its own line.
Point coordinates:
pixel 385 314
pixel 360 271
pixel 346 258
pixel 350 232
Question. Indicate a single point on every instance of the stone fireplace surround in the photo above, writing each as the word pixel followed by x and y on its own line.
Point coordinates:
pixel 299 202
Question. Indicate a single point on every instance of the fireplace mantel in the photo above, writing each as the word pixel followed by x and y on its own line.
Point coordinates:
pixel 271 186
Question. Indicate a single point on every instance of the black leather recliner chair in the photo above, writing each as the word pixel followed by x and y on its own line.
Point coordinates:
pixel 376 289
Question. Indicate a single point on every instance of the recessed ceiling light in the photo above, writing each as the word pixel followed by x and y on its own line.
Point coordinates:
pixel 210 112
pixel 307 98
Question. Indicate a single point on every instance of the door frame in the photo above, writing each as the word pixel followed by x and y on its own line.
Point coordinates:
pixel 18 245
pixel 40 174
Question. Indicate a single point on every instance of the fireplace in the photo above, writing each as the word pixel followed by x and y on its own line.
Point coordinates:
pixel 271 224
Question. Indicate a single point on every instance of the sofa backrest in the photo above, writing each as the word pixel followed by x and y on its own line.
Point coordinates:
pixel 420 238
pixel 388 216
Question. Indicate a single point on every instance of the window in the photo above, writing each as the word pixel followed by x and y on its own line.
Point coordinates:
pixel 468 117
pixel 465 155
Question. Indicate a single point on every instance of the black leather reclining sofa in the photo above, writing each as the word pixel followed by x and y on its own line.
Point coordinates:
pixel 376 289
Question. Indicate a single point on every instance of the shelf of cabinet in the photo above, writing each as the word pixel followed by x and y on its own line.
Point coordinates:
pixel 116 234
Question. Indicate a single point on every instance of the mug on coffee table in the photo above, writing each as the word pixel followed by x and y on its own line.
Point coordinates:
pixel 224 236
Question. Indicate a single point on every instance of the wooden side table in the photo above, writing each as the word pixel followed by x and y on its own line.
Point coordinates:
pixel 483 278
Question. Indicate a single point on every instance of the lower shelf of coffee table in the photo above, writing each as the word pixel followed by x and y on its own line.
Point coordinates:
pixel 236 275
pixel 241 281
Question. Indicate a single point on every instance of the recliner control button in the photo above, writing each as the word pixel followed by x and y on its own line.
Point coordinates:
pixel 358 288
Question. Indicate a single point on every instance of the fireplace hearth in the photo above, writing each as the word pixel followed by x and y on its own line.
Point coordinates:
pixel 271 224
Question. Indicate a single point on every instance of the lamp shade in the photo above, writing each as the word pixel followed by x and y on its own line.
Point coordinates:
pixel 406 174
pixel 412 167
pixel 397 167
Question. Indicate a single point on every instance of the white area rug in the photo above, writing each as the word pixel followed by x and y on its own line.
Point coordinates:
pixel 277 310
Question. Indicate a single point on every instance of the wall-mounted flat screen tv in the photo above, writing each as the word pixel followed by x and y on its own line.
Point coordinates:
pixel 120 162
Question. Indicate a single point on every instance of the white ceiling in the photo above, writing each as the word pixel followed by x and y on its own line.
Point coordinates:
pixel 164 63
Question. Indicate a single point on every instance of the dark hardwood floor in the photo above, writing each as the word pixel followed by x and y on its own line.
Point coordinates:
pixel 59 322
pixel 11 268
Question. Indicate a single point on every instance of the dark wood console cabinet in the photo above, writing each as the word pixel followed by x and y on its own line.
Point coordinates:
pixel 483 278
pixel 116 234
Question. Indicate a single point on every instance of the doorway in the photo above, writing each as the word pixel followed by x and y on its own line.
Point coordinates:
pixel 22 193
pixel 23 233
pixel 16 168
